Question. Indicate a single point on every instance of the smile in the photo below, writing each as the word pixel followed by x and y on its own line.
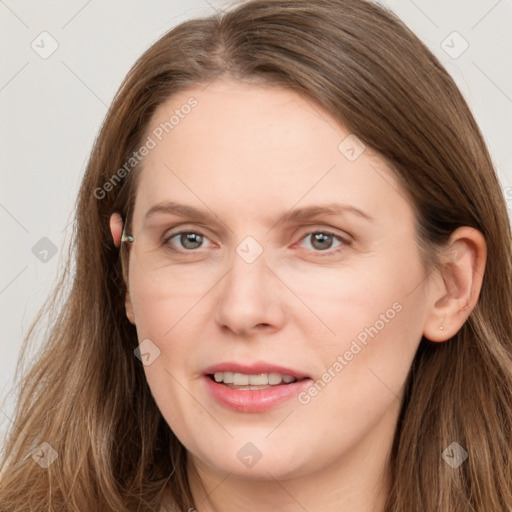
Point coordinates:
pixel 253 398
pixel 251 382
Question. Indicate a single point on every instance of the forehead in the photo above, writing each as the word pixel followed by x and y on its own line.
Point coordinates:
pixel 255 148
pixel 257 122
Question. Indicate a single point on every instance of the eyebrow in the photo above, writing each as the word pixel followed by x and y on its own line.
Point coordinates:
pixel 295 215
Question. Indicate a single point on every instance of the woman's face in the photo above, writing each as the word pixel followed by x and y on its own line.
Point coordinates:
pixel 257 288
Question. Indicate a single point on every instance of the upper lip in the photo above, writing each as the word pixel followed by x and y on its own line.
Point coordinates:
pixel 254 369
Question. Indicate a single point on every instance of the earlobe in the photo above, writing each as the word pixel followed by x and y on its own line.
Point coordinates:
pixel 116 228
pixel 458 284
pixel 129 308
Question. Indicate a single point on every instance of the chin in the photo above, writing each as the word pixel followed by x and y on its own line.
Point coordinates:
pixel 251 463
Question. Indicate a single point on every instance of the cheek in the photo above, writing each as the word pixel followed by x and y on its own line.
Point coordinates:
pixel 161 318
pixel 373 324
pixel 161 300
pixel 167 322
pixel 364 371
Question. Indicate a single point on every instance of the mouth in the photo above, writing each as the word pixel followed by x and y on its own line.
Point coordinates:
pixel 253 382
pixel 253 389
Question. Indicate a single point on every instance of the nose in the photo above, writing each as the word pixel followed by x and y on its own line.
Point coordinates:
pixel 250 298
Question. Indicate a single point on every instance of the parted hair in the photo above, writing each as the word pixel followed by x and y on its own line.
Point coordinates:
pixel 85 393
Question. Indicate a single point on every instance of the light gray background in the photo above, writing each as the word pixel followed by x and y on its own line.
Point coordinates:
pixel 51 111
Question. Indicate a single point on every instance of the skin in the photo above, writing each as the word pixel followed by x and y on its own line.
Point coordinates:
pixel 250 153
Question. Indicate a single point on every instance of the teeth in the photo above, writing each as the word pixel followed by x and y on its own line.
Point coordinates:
pixel 262 379
pixel 274 378
pixel 239 379
pixel 228 378
pixel 258 380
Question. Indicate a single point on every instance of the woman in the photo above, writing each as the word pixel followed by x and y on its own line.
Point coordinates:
pixel 293 272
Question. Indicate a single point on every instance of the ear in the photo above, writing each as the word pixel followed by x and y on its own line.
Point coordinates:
pixel 116 228
pixel 456 288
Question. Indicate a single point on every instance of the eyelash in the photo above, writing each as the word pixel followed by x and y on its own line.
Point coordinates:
pixel 344 242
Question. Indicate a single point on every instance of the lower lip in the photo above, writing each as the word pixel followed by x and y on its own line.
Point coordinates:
pixel 256 400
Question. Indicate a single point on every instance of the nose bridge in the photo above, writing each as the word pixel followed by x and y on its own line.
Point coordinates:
pixel 249 272
pixel 249 294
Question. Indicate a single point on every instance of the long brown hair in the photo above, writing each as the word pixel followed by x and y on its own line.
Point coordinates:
pixel 86 395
